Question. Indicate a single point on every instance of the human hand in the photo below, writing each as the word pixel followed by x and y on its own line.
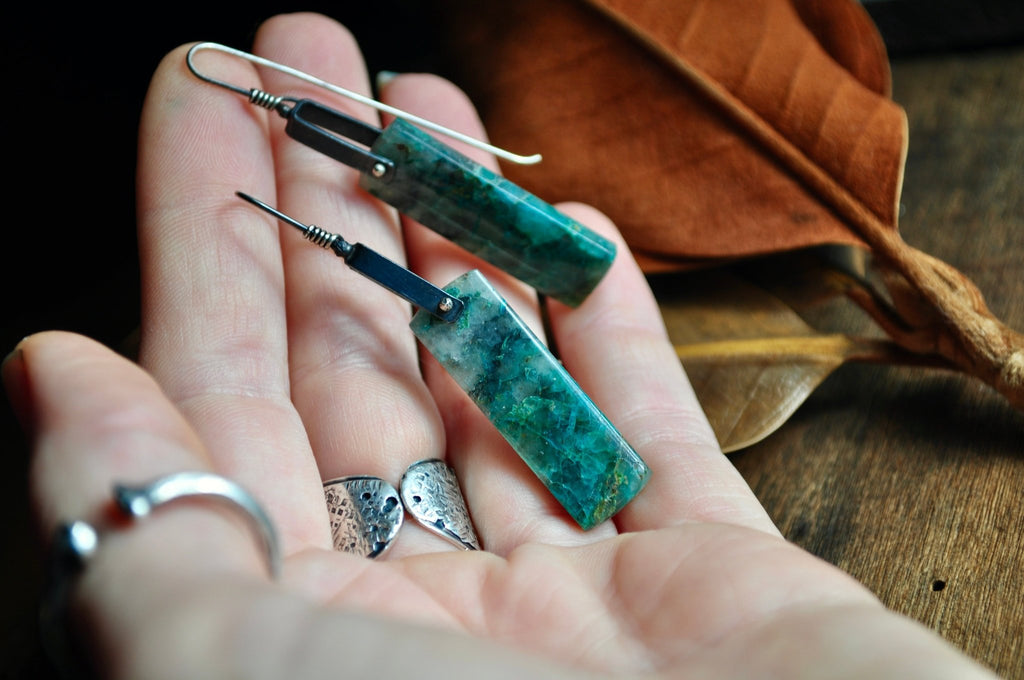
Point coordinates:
pixel 268 362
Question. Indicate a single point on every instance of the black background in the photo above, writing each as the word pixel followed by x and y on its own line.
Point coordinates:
pixel 76 80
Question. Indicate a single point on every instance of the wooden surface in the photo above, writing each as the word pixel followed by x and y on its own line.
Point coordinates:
pixel 913 479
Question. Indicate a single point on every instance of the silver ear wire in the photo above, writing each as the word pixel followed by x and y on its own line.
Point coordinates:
pixel 355 96
pixel 375 267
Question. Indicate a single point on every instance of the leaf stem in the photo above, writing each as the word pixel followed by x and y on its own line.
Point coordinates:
pixel 834 347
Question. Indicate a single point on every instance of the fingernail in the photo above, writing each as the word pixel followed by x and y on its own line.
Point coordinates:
pixel 15 379
pixel 385 77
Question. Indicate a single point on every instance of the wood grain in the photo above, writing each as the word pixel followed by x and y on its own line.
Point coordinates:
pixel 910 479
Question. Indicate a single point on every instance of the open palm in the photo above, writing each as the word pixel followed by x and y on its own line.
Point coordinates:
pixel 269 362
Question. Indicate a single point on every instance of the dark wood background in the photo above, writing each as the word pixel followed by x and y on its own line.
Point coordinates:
pixel 912 480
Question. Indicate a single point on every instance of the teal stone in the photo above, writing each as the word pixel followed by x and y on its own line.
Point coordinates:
pixel 488 215
pixel 536 405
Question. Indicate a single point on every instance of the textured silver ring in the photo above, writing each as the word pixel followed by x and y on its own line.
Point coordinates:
pixel 366 513
pixel 431 494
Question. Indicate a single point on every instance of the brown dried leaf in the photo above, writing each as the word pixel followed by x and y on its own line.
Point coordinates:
pixel 712 130
pixel 690 122
pixel 749 388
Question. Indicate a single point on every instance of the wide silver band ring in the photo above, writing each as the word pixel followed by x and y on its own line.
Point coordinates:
pixel 366 512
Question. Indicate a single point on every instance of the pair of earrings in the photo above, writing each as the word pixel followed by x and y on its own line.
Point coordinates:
pixel 442 189
pixel 467 326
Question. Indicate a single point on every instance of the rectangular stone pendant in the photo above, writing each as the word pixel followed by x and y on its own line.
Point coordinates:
pixel 486 214
pixel 536 405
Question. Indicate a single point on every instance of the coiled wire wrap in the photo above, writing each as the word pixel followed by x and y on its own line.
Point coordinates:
pixel 261 98
pixel 321 237
pixel 264 99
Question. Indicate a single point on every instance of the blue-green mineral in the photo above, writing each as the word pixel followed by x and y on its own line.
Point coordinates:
pixel 535 404
pixel 488 215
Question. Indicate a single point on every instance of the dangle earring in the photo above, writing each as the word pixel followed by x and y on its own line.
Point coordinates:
pixel 442 189
pixel 512 377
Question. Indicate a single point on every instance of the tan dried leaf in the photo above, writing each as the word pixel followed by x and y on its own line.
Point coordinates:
pixel 751 359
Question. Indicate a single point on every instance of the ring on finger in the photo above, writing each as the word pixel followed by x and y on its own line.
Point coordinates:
pixel 367 512
pixel 75 543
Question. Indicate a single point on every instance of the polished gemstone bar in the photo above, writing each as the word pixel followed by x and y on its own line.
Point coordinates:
pixel 535 404
pixel 488 215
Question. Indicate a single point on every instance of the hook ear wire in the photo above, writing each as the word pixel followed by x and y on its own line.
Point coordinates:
pixel 355 96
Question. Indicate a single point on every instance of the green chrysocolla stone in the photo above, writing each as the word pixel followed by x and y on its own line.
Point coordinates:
pixel 546 417
pixel 488 215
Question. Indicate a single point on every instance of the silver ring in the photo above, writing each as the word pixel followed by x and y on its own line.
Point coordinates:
pixel 76 542
pixel 367 512
pixel 140 501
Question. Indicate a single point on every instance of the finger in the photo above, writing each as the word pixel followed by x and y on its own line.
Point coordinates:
pixel 126 432
pixel 616 346
pixel 98 419
pixel 355 375
pixel 213 317
pixel 509 504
